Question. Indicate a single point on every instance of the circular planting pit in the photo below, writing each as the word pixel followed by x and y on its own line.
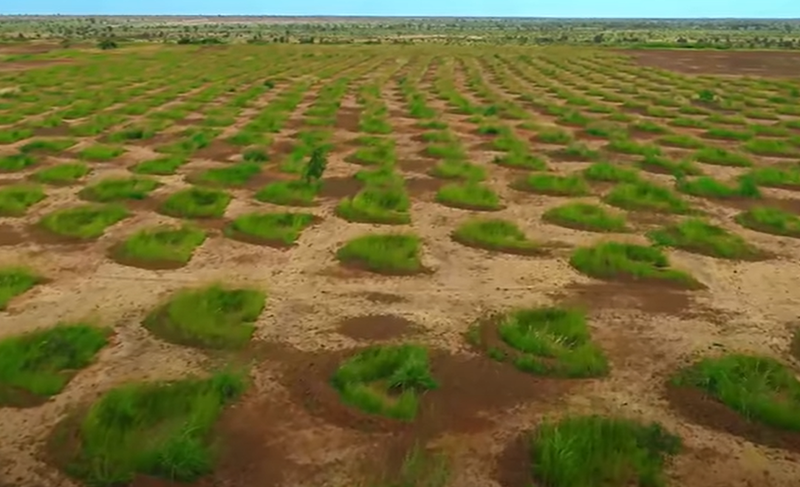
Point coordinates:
pixel 471 392
pixel 376 327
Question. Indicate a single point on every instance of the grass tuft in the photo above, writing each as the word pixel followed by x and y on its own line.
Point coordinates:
pixel 377 204
pixel 269 228
pixel 596 451
pixel 385 380
pixel 770 220
pixel 15 281
pixel 15 200
pixel 470 195
pixel 162 246
pixel 119 189
pixel 646 196
pixel 213 317
pixel 83 222
pixel 585 216
pixel 761 389
pixel 387 253
pixel 495 234
pixel 694 235
pixel 289 193
pixel 553 185
pixel 197 203
pixel 62 173
pixel 160 429
pixel 38 365
pixel 615 261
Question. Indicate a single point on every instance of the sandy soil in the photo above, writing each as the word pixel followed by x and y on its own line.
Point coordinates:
pixel 291 431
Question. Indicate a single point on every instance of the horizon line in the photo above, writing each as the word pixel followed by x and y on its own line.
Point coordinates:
pixel 391 16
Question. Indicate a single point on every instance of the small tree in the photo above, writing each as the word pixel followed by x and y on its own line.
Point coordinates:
pixel 316 165
pixel 107 44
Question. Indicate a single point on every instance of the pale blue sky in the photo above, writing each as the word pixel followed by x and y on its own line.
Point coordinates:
pixel 487 8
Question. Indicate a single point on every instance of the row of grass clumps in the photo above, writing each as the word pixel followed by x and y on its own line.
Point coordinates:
pixel 383 198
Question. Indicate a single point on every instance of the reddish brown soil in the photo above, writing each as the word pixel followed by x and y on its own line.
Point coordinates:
pixel 695 61
pixel 376 327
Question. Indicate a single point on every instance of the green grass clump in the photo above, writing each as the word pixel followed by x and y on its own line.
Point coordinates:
pixel 550 341
pixel 495 234
pixel 614 260
pixel 15 200
pixel 761 389
pixel 554 136
pixel 722 157
pixel 695 235
pixel 585 216
pixel 605 171
pixel 15 281
pixel 162 166
pixel 83 222
pixel 470 195
pixel 197 203
pixel 162 246
pixel 66 173
pixel 627 146
pixel 382 176
pixel 770 220
pixel 16 162
pixel 213 317
pixel 383 253
pixel 385 380
pixel 101 153
pixel 289 193
pixel 48 145
pixel 709 187
pixel 597 451
pixel 770 147
pixel 377 204
pixel 663 165
pixel 776 177
pixel 40 364
pixel 456 169
pixel 119 189
pixel 553 185
pixel 230 175
pixel 270 228
pixel 521 160
pixel 681 140
pixel 161 429
pixel 646 196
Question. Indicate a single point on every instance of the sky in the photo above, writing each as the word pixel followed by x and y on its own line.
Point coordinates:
pixel 458 8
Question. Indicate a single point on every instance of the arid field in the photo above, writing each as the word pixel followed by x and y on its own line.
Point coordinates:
pixel 397 266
